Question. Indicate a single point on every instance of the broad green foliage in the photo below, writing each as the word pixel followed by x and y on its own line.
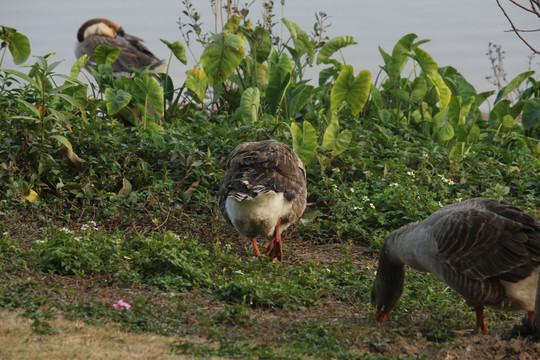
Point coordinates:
pixel 302 45
pixel 304 141
pixel 332 46
pixel 177 49
pixel 350 89
pixel 249 106
pixel 196 81
pixel 106 55
pixel 18 44
pixel 280 68
pixel 116 100
pixel 222 57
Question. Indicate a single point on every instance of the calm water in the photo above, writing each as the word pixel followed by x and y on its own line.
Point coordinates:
pixel 460 30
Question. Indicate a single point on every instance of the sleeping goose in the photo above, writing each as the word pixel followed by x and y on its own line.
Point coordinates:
pixel 133 54
pixel 485 249
pixel 263 192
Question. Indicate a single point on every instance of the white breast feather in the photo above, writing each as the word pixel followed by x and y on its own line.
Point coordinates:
pixel 270 205
pixel 523 292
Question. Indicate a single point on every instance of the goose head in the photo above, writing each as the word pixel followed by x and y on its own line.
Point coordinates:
pixel 99 27
pixel 387 286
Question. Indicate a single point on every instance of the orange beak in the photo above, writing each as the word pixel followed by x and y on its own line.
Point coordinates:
pixel 380 315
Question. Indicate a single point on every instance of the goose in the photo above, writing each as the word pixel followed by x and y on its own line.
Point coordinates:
pixel 485 249
pixel 133 54
pixel 263 192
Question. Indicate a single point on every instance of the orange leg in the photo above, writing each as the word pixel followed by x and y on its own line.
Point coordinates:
pixel 256 248
pixel 531 315
pixel 274 249
pixel 480 324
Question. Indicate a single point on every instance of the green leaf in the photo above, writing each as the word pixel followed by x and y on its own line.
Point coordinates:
pixel 353 90
pixel 332 46
pixel 426 62
pixel 222 56
pixel 154 94
pixel 443 91
pixel 116 100
pixel 106 55
pixel 62 140
pixel 335 140
pixel 79 65
pixel 512 85
pixel 260 44
pixel 531 113
pixel 177 49
pixel 400 56
pixel 304 141
pixel 301 41
pixel 197 82
pixel 249 106
pixel 19 47
pixel 442 128
pixel 279 77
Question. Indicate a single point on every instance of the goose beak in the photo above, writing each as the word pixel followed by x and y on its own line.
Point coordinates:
pixel 380 315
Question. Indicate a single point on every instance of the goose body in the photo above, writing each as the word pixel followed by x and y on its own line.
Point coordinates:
pixel 263 192
pixel 485 249
pixel 133 54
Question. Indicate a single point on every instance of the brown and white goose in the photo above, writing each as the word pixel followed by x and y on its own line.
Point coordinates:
pixel 485 249
pixel 133 54
pixel 263 192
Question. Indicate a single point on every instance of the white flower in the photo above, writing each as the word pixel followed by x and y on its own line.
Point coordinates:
pixel 373 206
pixel 127 257
pixel 440 204
pixel 239 272
pixel 327 269
pixel 40 241
pixel 85 227
pixel 394 184
pixel 357 208
pixel 352 190
pixel 66 230
pixel 5 233
pixel 365 198
pixel 411 173
pixel 77 238
pixel 459 199
pixel 336 170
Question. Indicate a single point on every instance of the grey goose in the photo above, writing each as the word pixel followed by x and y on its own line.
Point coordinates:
pixel 133 54
pixel 485 249
pixel 263 192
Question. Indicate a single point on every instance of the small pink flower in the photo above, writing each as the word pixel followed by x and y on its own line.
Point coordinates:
pixel 121 304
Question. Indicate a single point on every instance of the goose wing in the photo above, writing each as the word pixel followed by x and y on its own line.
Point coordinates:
pixel 133 54
pixel 484 241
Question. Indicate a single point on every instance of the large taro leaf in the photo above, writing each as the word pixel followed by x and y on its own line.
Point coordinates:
pixel 249 106
pixel 222 56
pixel 304 141
pixel 335 140
pixel 197 82
pixel 301 41
pixel 279 77
pixel 116 100
pixel 353 90
pixel 106 55
pixel 531 113
pixel 332 46
pixel 512 85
